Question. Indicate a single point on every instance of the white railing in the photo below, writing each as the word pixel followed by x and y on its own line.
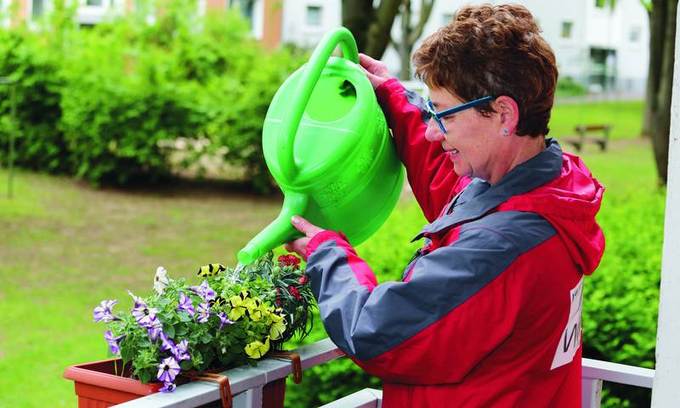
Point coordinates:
pixel 247 382
pixel 596 371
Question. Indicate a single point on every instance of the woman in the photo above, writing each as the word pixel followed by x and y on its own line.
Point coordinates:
pixel 489 310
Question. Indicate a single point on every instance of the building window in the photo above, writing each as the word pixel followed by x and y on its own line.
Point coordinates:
pixel 37 8
pixel 314 16
pixel 567 26
pixel 245 6
pixel 634 35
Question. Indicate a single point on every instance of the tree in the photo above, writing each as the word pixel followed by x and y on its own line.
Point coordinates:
pixel 657 119
pixel 371 26
pixel 410 33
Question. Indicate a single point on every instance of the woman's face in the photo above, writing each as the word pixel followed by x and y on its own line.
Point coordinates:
pixel 469 139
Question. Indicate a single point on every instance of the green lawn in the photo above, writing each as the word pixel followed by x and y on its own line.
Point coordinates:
pixel 624 116
pixel 65 246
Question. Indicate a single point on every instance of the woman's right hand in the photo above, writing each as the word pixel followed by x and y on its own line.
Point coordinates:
pixel 376 71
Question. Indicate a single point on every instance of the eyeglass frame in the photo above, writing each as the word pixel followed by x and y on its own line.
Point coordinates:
pixel 437 116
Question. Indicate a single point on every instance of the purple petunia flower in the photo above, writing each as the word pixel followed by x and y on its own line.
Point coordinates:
pixel 144 315
pixel 154 329
pixel 224 320
pixel 203 312
pixel 185 304
pixel 204 291
pixel 168 387
pixel 166 343
pixel 112 340
pixel 181 351
pixel 104 312
pixel 168 370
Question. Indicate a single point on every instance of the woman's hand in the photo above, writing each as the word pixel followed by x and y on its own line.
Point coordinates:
pixel 376 71
pixel 299 246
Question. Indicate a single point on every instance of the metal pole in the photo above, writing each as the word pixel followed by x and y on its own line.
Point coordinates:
pixel 13 115
pixel 13 102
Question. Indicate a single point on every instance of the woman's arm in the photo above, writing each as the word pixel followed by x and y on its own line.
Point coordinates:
pixel 429 172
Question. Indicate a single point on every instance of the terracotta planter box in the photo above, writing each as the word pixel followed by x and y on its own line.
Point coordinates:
pixel 97 386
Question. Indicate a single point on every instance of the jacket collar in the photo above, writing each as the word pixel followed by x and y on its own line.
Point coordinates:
pixel 482 198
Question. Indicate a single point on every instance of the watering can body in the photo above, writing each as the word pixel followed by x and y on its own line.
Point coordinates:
pixel 326 143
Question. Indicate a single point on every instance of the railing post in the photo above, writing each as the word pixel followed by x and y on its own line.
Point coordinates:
pixel 251 398
pixel 591 392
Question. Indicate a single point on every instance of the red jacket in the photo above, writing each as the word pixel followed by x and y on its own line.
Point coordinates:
pixel 489 310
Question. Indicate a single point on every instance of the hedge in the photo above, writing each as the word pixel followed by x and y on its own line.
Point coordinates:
pixel 104 103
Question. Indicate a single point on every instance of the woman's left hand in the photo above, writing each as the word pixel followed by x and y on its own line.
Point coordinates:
pixel 299 246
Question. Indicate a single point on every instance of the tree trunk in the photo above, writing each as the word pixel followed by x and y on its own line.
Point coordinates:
pixel 403 46
pixel 370 26
pixel 657 22
pixel 661 117
pixel 379 32
pixel 410 33
pixel 357 16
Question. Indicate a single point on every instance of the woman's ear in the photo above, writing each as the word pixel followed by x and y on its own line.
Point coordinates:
pixel 508 113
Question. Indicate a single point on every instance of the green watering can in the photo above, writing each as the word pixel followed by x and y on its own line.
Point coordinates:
pixel 327 145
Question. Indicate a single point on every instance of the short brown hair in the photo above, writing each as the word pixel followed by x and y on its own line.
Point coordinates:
pixel 493 50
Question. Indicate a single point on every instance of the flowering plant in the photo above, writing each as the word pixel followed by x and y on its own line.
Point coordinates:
pixel 234 316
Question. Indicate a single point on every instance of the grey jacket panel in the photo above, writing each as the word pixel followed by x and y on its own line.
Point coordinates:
pixel 366 323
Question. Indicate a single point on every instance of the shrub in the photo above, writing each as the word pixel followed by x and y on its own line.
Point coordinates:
pixel 105 102
pixel 39 142
pixel 567 86
pixel 621 298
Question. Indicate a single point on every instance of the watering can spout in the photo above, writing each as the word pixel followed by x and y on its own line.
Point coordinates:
pixel 277 232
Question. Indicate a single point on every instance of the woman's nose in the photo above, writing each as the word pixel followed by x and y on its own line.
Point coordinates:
pixel 433 133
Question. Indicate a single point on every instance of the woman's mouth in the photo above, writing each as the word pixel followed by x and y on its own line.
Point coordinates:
pixel 452 153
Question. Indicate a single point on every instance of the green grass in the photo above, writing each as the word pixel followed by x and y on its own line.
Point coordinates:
pixel 624 116
pixel 66 246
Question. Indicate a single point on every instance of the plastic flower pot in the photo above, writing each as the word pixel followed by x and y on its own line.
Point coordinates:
pixel 97 385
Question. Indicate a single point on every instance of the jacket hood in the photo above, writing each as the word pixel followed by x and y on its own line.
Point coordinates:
pixel 556 185
pixel 570 203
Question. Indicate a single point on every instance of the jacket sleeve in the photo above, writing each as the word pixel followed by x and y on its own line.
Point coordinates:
pixel 430 172
pixel 461 303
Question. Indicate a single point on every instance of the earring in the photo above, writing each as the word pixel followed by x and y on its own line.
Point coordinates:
pixel 506 132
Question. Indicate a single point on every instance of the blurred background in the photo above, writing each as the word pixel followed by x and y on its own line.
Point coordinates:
pixel 130 138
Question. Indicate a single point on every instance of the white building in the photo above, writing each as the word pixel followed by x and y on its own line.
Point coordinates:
pixel 600 47
pixel 603 48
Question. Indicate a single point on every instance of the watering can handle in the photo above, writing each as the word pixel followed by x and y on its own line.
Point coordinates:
pixel 310 77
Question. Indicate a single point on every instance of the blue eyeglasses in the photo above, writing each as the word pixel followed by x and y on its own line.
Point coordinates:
pixel 437 116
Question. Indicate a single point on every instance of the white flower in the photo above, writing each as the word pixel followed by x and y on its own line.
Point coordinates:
pixel 160 281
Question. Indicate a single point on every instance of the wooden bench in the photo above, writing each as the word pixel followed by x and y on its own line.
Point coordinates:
pixel 598 134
